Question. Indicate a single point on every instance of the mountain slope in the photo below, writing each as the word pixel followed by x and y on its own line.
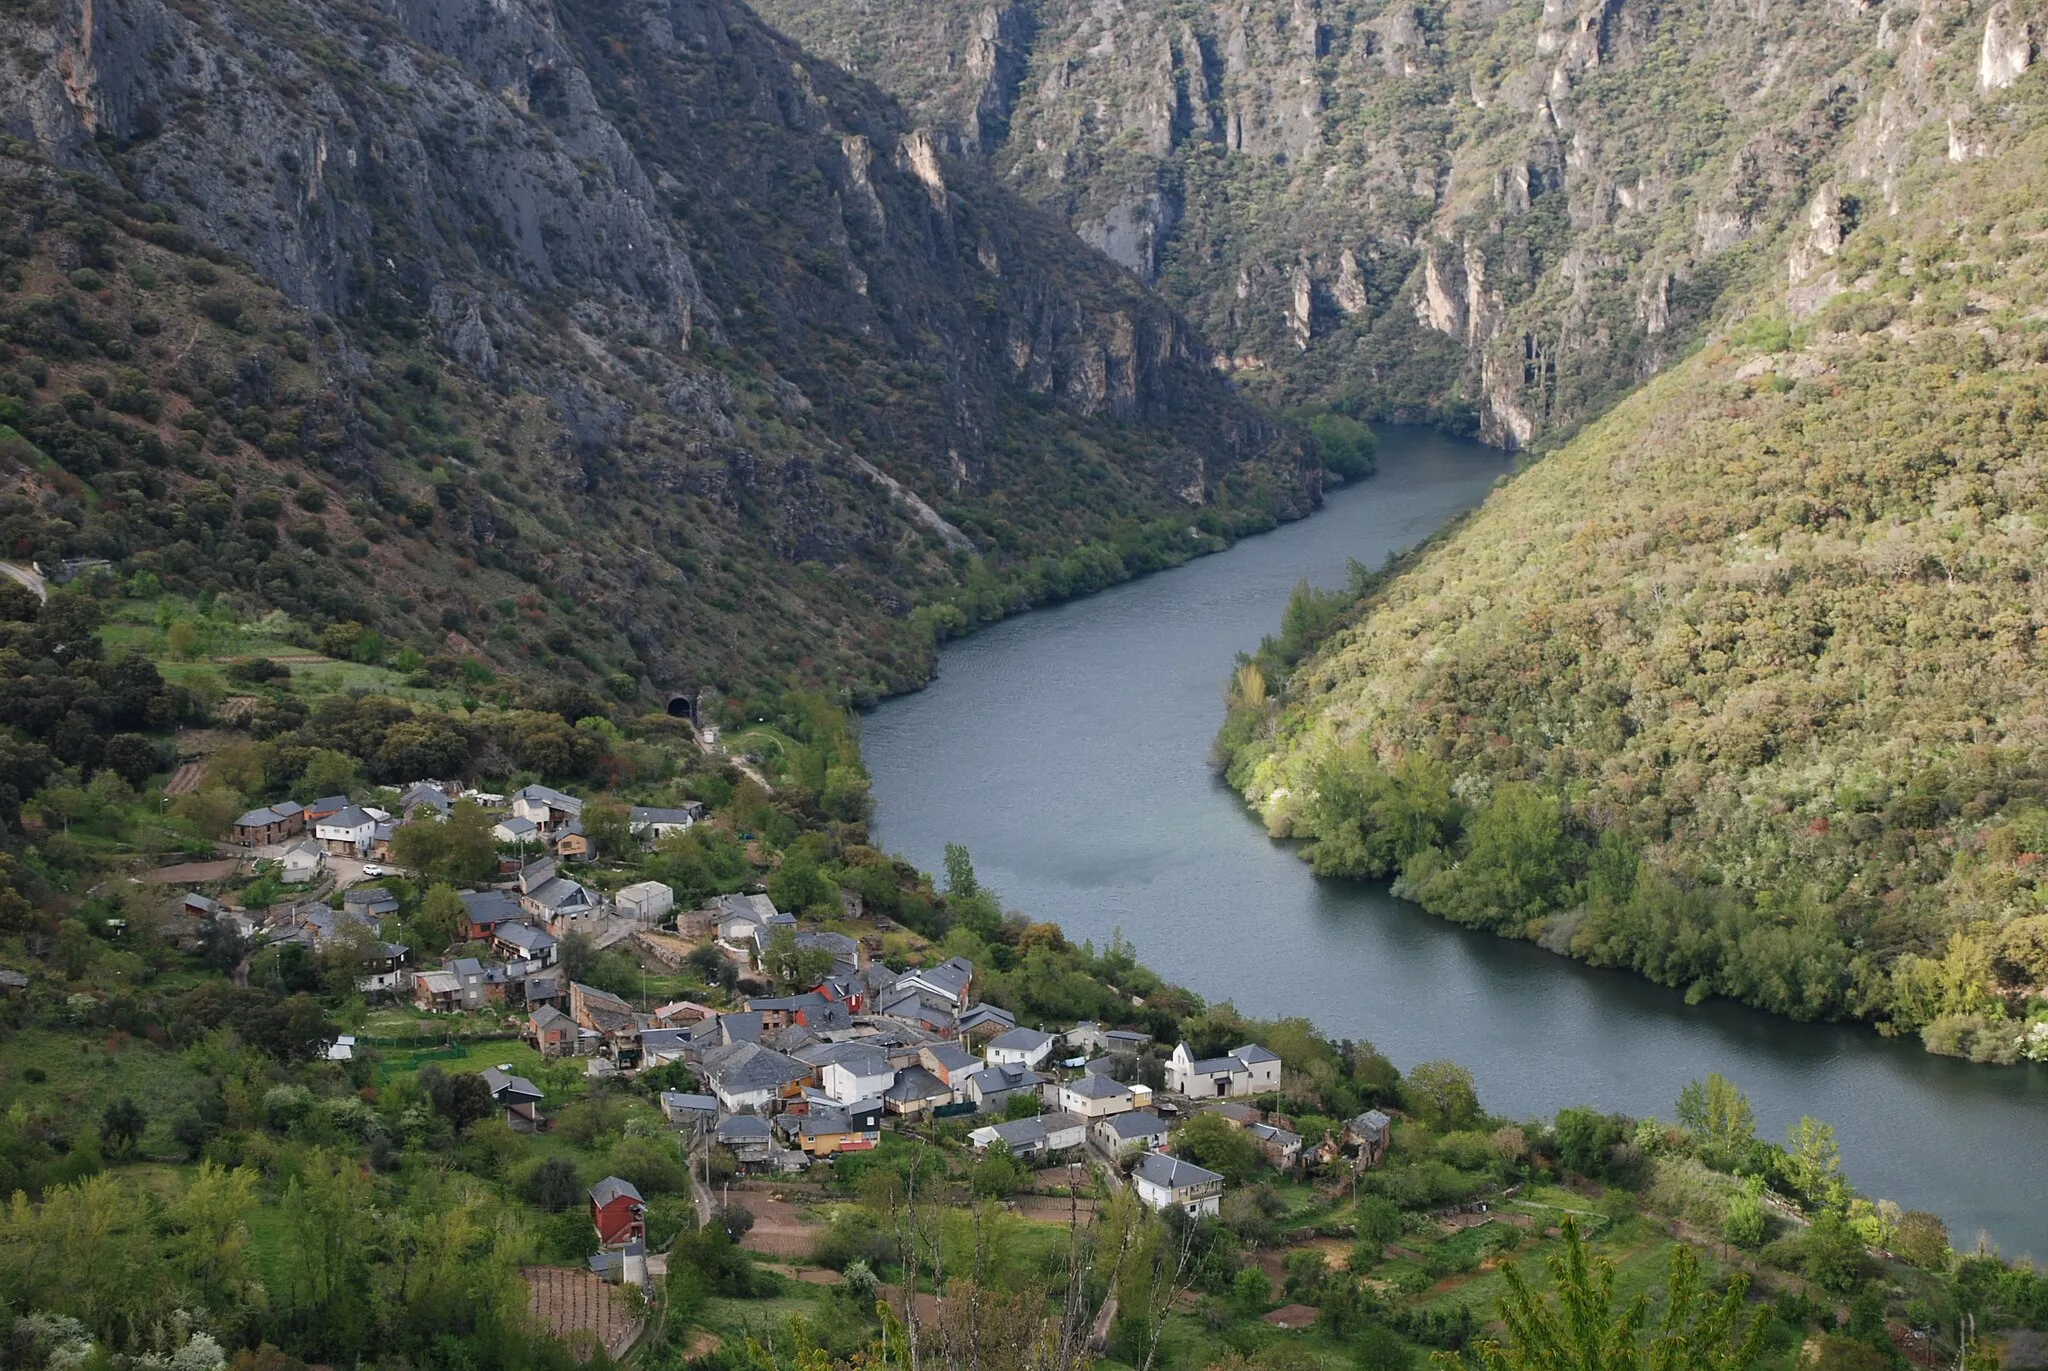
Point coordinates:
pixel 1742 688
pixel 1501 215
pixel 664 349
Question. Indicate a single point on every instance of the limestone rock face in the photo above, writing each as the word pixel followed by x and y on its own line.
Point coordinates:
pixel 2008 49
pixel 1208 147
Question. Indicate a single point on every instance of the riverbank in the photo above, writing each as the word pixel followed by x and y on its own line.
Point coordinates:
pixel 1068 750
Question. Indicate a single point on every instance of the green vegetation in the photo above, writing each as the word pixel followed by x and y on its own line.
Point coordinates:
pixel 1737 689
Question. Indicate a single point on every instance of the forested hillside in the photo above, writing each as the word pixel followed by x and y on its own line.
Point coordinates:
pixel 1480 213
pixel 631 345
pixel 1742 689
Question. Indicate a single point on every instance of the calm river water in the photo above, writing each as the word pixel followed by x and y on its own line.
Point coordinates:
pixel 1067 748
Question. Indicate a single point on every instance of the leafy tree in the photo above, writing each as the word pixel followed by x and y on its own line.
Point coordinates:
pixel 577 955
pixel 1719 1118
pixel 1813 1163
pixel 1578 1326
pixel 441 915
pixel 1443 1094
pixel 609 829
pixel 800 883
pixel 1746 1223
pixel 1209 1140
pixel 121 1124
pixel 461 1097
pixel 1347 448
pixel 328 772
pixel 458 849
pixel 792 966
pixel 960 880
pixel 998 1175
pixel 1922 1239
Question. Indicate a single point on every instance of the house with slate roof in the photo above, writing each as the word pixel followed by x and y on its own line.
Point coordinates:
pixel 425 800
pixel 646 902
pixel 347 833
pixel 747 1076
pixel 1277 1145
pixel 1033 1138
pixel 553 1032
pixel 617 1212
pixel 1019 1047
pixel 689 1111
pixel 519 1097
pixel 486 910
pixel 270 824
pixel 951 982
pixel 1247 1070
pixel 748 1137
pixel 301 862
pixel 1165 1182
pixel 916 1093
pixel 990 1088
pixel 651 824
pixel 850 1071
pixel 1095 1097
pixel 1139 1128
pixel 545 807
pixel 1370 1133
pixel 524 942
pixel 981 1019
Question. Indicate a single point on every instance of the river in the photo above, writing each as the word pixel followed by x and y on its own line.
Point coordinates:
pixel 1067 748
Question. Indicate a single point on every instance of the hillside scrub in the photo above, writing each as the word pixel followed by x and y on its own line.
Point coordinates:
pixel 1739 689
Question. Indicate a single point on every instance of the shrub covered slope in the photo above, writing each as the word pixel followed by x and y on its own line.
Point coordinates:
pixel 1741 689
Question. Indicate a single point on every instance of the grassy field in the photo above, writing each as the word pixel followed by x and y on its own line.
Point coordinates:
pixel 81 1077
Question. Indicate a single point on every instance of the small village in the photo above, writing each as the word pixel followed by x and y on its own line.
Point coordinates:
pixel 782 1084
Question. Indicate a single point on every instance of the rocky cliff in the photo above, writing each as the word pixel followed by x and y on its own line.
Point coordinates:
pixel 709 311
pixel 1494 214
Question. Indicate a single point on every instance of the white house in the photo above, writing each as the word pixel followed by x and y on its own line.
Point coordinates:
pixel 856 1072
pixel 513 829
pixel 1026 1047
pixel 348 832
pixel 646 902
pixel 740 915
pixel 1095 1097
pixel 750 1076
pixel 1161 1181
pixel 1247 1070
pixel 951 980
pixel 650 824
pixel 301 862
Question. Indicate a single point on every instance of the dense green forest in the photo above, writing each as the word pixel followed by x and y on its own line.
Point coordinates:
pixel 1741 688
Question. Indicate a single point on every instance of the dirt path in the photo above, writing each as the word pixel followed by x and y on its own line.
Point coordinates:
pixel 27 579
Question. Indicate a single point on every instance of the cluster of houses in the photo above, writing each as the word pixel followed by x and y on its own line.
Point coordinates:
pixel 521 918
pixel 539 820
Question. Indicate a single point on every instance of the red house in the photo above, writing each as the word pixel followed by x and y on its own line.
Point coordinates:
pixel 617 1212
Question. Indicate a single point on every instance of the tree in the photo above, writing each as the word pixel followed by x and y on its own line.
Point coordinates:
pixel 458 849
pixel 800 884
pixel 578 955
pixel 1443 1094
pixel 609 828
pixel 1746 1223
pixel 960 881
pixel 1922 1239
pixel 131 756
pixel 792 966
pixel 1347 448
pixel 1813 1163
pixel 328 772
pixel 1577 1327
pixel 1209 1140
pixel 442 916
pixel 121 1124
pixel 462 1098
pixel 998 1175
pixel 1719 1118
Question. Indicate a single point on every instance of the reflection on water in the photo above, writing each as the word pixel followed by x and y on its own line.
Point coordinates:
pixel 1068 750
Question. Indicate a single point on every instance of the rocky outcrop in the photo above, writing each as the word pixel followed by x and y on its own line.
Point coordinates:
pixel 2007 51
pixel 1209 148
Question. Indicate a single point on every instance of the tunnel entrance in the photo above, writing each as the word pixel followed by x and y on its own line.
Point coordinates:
pixel 682 706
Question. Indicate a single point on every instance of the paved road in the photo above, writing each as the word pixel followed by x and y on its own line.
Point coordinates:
pixel 23 576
